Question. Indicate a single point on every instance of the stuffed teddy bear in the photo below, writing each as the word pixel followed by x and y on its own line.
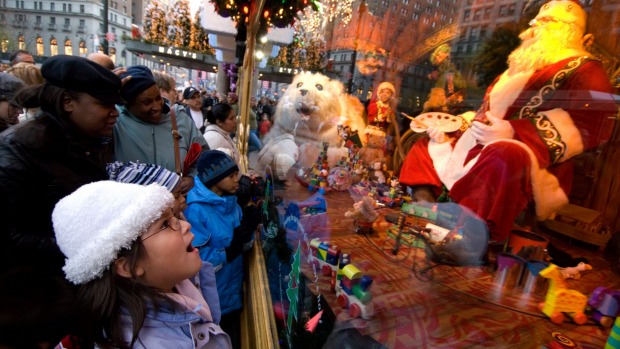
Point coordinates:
pixel 373 151
pixel 363 215
pixel 363 210
pixel 377 172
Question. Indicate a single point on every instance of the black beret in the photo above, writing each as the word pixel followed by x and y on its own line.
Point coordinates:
pixel 141 79
pixel 81 75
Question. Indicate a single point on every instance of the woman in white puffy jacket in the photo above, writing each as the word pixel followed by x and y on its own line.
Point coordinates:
pixel 222 120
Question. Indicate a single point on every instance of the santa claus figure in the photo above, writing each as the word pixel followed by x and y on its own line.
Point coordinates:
pixel 552 103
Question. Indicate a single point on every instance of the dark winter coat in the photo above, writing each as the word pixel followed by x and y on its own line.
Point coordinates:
pixel 42 161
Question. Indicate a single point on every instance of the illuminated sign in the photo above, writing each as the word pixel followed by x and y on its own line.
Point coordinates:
pixel 177 52
pixel 293 71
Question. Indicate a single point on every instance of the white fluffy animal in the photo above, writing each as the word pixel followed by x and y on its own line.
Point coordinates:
pixel 307 115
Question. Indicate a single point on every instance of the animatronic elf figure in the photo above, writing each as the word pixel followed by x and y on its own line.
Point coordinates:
pixel 551 104
pixel 380 112
pixel 445 74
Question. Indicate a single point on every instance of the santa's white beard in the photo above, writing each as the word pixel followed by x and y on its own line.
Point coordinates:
pixel 541 46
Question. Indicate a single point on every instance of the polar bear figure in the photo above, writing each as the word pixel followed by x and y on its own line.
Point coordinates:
pixel 308 114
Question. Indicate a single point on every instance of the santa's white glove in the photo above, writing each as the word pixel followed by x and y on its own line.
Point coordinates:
pixel 436 135
pixel 496 129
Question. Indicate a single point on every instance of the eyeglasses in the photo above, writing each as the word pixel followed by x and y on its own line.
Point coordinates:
pixel 194 96
pixel 543 20
pixel 173 223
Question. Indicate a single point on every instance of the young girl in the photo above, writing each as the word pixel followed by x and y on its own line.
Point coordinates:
pixel 132 259
pixel 264 125
pixel 221 232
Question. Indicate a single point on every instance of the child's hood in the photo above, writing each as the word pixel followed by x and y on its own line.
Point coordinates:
pixel 200 194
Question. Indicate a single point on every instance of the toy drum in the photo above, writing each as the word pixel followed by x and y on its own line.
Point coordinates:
pixel 509 270
pixel 533 283
pixel 519 239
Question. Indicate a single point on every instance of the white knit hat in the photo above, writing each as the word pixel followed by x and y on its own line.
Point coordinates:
pixel 99 219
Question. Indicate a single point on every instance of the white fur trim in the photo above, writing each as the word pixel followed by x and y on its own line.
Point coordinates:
pixel 569 134
pixel 440 153
pixel 99 219
pixel 452 167
pixel 548 195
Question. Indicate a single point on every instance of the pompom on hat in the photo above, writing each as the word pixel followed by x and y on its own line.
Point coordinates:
pixel 564 10
pixel 100 219
pixel 213 166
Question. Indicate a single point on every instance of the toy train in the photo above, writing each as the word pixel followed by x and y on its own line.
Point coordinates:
pixel 354 293
pixel 351 286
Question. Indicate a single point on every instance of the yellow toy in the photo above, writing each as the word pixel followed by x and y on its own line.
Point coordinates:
pixel 560 299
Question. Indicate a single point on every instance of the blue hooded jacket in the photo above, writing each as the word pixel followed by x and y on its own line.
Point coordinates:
pixel 213 219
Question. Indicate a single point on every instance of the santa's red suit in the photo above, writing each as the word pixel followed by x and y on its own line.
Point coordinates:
pixel 556 112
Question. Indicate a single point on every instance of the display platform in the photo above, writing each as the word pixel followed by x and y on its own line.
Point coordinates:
pixel 448 307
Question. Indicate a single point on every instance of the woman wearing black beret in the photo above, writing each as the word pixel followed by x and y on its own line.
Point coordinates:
pixel 42 161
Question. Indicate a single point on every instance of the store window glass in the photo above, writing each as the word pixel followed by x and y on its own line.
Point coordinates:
pixel 83 48
pixel 21 42
pixel 40 46
pixel 437 169
pixel 68 48
pixel 53 47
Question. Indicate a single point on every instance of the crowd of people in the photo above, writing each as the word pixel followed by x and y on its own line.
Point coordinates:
pixel 95 180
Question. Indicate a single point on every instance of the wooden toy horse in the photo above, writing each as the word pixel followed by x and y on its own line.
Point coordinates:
pixel 560 299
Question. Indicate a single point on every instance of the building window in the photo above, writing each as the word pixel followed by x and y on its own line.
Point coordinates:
pixel 52 7
pixel 40 47
pixel 21 42
pixel 70 9
pixel 466 15
pixel 477 15
pixel 81 8
pixel 68 47
pixel 52 20
pixel 112 54
pixel 53 47
pixel 38 19
pixel 64 7
pixel 83 49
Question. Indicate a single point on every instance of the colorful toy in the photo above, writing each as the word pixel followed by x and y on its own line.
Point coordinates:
pixel 613 342
pixel 604 305
pixel 324 256
pixel 354 293
pixel 575 272
pixel 363 215
pixel 560 299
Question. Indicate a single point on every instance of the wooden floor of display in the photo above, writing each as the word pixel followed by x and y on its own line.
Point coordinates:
pixel 461 307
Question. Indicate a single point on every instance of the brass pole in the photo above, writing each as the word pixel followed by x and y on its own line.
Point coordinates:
pixel 256 8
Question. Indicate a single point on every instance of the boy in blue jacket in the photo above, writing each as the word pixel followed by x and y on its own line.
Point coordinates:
pixel 222 230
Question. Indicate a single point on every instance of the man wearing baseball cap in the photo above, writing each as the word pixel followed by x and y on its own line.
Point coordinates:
pixel 192 98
